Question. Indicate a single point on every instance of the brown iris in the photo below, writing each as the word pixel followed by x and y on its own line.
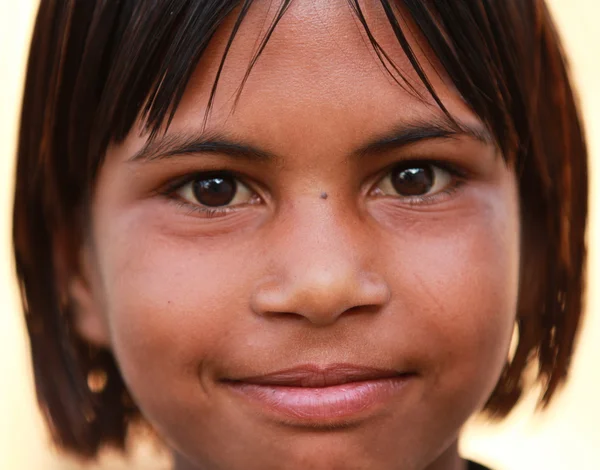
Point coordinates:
pixel 214 191
pixel 412 180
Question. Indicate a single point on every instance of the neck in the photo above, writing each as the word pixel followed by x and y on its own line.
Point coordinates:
pixel 181 463
pixel 448 460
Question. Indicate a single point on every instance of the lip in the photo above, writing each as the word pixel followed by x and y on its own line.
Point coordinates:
pixel 313 394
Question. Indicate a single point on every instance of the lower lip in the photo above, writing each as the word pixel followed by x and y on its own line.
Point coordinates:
pixel 323 403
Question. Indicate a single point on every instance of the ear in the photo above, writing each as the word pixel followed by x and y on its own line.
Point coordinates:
pixel 80 286
pixel 88 316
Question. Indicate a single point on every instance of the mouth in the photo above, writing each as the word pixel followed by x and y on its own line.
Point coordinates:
pixel 313 395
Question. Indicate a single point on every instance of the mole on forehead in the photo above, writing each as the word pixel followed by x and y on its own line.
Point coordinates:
pixel 324 196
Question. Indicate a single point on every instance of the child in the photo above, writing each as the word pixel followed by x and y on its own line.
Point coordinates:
pixel 297 234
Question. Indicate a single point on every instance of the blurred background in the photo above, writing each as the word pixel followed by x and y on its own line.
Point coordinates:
pixel 565 437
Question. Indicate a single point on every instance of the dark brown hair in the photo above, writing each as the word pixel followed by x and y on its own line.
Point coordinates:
pixel 97 66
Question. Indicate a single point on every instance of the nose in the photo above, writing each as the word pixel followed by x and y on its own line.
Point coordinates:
pixel 319 272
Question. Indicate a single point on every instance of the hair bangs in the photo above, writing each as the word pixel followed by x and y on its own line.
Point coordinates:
pixel 149 51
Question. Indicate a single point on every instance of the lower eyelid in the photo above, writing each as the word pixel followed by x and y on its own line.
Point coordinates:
pixel 439 196
pixel 205 211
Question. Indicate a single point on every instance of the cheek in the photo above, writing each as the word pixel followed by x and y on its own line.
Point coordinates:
pixel 456 279
pixel 172 303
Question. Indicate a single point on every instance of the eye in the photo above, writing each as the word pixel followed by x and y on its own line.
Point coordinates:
pixel 415 179
pixel 215 190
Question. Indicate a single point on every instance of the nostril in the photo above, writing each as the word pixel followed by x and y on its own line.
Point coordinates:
pixel 293 316
pixel 360 309
pixel 283 315
pixel 320 296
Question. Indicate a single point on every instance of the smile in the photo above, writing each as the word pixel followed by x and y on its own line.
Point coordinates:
pixel 313 395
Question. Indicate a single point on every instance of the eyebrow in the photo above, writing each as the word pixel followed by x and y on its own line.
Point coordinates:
pixel 401 136
pixel 442 128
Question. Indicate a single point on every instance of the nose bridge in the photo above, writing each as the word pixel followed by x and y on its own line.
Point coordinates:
pixel 327 242
pixel 320 255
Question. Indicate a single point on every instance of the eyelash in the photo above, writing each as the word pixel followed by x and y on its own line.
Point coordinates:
pixel 170 190
pixel 205 211
pixel 458 179
pixel 457 174
pixel 433 198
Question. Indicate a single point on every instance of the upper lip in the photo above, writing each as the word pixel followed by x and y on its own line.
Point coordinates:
pixel 310 375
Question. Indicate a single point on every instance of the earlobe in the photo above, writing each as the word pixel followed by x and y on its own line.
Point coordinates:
pixel 77 281
pixel 89 319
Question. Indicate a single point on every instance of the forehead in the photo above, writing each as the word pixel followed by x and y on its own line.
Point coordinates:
pixel 318 76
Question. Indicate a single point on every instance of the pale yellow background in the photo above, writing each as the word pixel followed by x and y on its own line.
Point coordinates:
pixel 566 437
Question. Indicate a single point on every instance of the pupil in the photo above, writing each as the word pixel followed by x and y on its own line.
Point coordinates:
pixel 215 191
pixel 413 181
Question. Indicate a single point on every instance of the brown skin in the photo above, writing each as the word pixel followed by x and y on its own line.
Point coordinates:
pixel 287 277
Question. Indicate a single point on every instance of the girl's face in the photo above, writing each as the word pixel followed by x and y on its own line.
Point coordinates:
pixel 325 278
